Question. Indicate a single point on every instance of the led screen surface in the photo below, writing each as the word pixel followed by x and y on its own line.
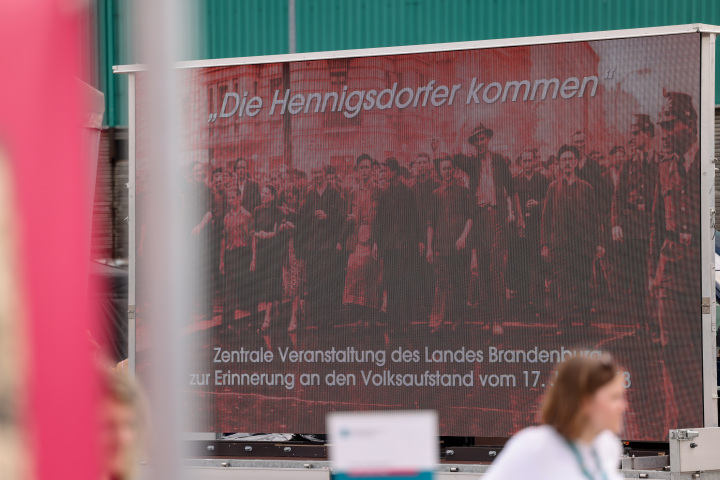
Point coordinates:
pixel 438 230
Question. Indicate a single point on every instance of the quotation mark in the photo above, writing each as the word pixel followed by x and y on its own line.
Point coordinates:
pixel 212 118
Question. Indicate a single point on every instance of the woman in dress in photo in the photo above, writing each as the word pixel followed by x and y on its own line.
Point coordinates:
pixel 267 254
pixel 293 269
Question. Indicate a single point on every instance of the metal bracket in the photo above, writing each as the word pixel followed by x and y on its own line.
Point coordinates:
pixel 131 312
pixel 684 434
pixel 706 305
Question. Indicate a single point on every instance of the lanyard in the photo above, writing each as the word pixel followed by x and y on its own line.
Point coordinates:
pixel 581 462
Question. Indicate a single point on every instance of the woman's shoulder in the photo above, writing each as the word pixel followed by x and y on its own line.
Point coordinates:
pixel 535 452
pixel 608 446
pixel 537 438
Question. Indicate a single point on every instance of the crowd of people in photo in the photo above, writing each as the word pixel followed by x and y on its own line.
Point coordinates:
pixel 451 237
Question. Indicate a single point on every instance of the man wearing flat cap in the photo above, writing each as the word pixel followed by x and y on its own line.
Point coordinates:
pixel 675 248
pixel 397 238
pixel 491 188
pixel 630 214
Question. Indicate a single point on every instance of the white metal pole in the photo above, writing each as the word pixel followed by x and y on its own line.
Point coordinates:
pixel 707 227
pixel 292 36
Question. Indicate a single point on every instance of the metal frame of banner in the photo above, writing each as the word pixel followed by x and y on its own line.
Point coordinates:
pixel 438 47
pixel 708 36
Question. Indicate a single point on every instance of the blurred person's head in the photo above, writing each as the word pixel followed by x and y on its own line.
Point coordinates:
pixel 642 131
pixel 268 194
pixel 331 176
pixel 587 398
pixel 422 164
pixel 579 141
pixel 241 168
pixel 301 180
pixel 232 198
pixel 198 172
pixel 527 162
pixel 376 171
pixel 122 422
pixel 217 178
pixel 479 138
pixel 231 179
pixel 363 165
pixel 292 196
pixel 617 156
pixel 446 169
pixel 678 123
pixel 275 178
pixel 568 158
pixel 318 177
pixel 389 170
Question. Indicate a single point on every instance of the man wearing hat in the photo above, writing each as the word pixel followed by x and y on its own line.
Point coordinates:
pixel 449 221
pixel 491 188
pixel 630 213
pixel 675 250
pixel 397 236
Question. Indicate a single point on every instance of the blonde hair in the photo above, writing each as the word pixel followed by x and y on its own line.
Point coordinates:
pixel 578 378
pixel 117 386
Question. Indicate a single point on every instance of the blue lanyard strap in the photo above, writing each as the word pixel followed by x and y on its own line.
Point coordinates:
pixel 581 462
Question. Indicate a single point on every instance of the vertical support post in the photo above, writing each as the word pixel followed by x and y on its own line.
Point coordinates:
pixel 292 35
pixel 707 199
pixel 131 225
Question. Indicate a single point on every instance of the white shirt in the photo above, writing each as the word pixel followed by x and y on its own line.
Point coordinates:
pixel 541 453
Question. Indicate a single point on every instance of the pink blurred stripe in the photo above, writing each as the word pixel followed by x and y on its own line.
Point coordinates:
pixel 39 129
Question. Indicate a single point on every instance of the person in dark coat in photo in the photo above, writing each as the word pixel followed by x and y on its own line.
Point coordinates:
pixel 449 222
pixel 267 256
pixel 425 185
pixel 530 187
pixel 630 217
pixel 569 238
pixel 587 169
pixel 675 251
pixel 319 231
pixel 492 190
pixel 248 189
pixel 397 237
pixel 605 270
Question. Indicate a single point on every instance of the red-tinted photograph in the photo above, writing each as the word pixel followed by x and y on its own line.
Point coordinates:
pixel 438 231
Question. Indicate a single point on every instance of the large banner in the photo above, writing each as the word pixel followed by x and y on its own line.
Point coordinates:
pixel 437 231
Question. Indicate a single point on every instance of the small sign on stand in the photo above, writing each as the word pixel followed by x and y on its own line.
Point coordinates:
pixel 383 445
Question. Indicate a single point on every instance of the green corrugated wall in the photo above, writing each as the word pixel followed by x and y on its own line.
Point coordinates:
pixel 236 28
